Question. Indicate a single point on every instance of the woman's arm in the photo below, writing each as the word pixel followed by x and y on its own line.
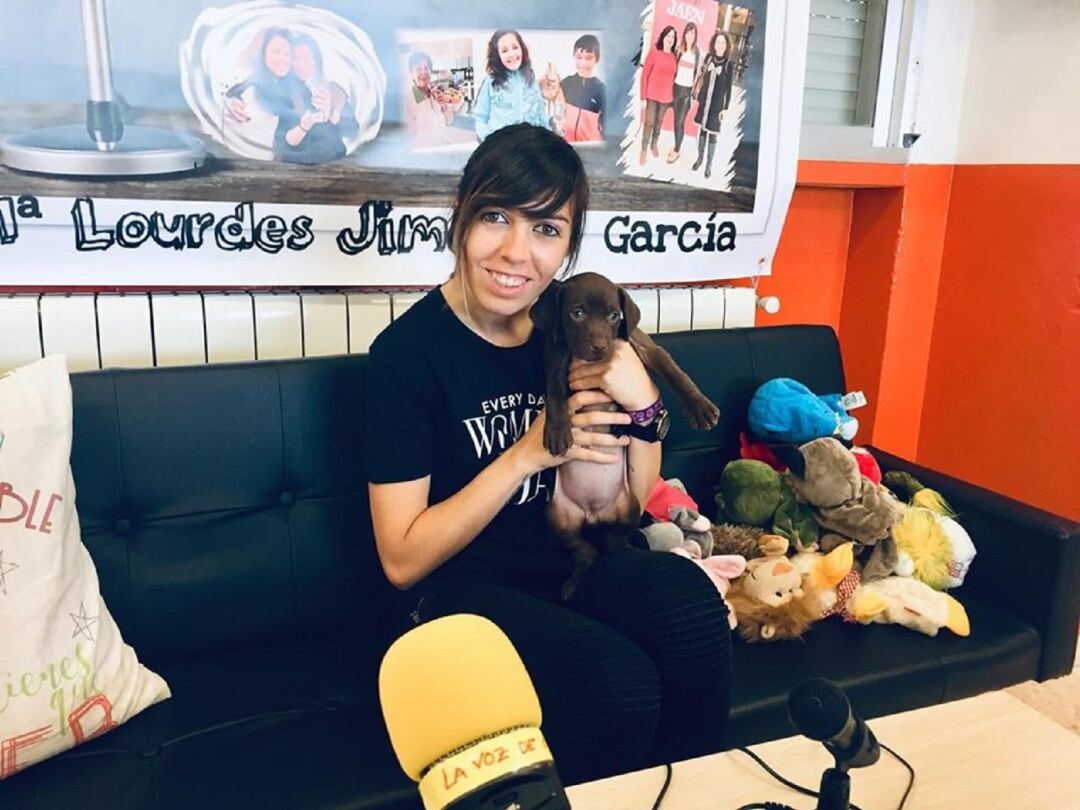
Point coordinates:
pixel 650 63
pixel 482 110
pixel 414 538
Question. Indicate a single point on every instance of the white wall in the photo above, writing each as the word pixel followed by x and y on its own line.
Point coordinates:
pixel 998 82
pixel 938 85
pixel 1021 94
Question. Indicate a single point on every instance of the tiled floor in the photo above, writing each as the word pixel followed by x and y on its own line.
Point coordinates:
pixel 1058 699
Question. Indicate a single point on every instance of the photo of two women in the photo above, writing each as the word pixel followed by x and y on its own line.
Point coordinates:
pixel 312 116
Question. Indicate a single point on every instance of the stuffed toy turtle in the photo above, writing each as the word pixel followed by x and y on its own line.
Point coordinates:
pixel 751 493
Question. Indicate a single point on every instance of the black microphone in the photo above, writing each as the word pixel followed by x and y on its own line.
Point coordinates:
pixel 819 709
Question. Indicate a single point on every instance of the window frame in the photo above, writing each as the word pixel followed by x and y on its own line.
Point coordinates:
pixel 897 85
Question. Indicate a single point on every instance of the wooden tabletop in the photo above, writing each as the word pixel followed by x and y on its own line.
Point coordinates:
pixel 990 751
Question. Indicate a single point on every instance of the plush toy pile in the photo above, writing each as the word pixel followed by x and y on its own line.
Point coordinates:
pixel 808 527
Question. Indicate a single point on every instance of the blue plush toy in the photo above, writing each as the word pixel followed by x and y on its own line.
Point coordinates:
pixel 785 410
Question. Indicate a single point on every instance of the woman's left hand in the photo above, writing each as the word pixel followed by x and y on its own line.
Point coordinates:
pixel 623 378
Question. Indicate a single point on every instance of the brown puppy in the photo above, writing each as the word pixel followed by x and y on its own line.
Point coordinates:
pixel 593 509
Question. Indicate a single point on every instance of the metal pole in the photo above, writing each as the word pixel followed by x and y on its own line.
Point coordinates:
pixel 96 39
pixel 103 120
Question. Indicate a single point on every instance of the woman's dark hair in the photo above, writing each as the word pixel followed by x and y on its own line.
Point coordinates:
pixel 689 27
pixel 527 168
pixel 668 29
pixel 497 70
pixel 727 51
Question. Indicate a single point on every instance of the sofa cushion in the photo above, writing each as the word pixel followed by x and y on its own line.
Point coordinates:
pixel 66 674
pixel 884 668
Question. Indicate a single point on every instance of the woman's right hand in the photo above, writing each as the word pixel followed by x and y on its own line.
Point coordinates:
pixel 236 109
pixel 587 445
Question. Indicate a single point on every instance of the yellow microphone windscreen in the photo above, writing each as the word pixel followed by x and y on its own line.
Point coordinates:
pixel 447 684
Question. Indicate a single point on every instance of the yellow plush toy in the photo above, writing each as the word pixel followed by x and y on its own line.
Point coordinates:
pixel 908 602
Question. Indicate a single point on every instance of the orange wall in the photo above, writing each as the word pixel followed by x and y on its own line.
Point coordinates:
pixel 956 295
pixel 811 259
pixel 1002 404
pixel 912 292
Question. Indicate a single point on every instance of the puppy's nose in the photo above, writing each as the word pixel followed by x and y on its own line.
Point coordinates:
pixel 597 350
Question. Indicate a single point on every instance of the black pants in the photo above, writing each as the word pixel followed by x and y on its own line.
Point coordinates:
pixel 681 105
pixel 634 670
pixel 654 117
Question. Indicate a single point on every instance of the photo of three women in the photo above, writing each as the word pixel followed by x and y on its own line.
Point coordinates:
pixel 675 74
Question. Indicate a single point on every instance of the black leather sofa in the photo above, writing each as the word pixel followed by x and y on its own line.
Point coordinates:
pixel 225 507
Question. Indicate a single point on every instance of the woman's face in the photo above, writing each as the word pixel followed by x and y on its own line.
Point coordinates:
pixel 510 51
pixel 421 76
pixel 721 46
pixel 509 258
pixel 691 38
pixel 303 63
pixel 277 56
pixel 669 41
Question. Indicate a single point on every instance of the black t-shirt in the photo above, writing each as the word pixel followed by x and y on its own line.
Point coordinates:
pixel 444 402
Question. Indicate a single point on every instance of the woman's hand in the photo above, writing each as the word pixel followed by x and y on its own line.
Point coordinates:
pixel 321 100
pixel 587 445
pixel 623 378
pixel 236 109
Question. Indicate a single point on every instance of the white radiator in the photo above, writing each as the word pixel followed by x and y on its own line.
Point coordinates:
pixel 107 330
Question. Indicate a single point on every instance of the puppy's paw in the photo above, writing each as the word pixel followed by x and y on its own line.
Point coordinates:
pixel 704 415
pixel 557 437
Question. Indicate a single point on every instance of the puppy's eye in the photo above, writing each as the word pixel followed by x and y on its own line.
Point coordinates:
pixel 614 316
pixel 577 314
pixel 779 594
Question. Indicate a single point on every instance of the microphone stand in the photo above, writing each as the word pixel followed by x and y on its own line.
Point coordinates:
pixel 103 146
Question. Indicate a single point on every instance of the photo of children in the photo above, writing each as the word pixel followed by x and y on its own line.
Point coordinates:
pixel 439 91
pixel 689 88
pixel 585 94
pixel 283 87
pixel 546 78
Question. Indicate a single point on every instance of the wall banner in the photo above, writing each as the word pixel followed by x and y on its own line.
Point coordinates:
pixel 269 143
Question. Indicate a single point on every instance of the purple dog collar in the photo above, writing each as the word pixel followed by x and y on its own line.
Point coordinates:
pixel 641 417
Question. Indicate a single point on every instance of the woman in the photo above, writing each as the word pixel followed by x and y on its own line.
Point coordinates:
pixel 272 79
pixel 713 94
pixel 459 481
pixel 689 61
pixel 429 113
pixel 321 116
pixel 657 80
pixel 511 93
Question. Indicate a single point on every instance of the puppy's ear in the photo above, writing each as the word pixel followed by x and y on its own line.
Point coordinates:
pixel 545 312
pixel 631 314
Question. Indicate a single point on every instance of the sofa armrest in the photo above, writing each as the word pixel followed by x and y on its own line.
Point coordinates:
pixel 1028 561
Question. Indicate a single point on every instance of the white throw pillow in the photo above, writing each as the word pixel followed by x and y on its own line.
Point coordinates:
pixel 66 675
